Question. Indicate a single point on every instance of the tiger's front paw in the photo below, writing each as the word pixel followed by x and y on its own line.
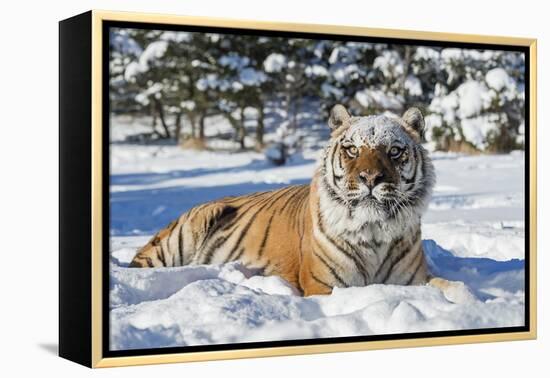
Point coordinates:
pixel 454 291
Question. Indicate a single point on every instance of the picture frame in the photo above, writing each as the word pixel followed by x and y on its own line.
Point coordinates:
pixel 84 190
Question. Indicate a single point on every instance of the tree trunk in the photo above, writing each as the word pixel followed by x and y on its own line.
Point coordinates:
pixel 201 126
pixel 238 126
pixel 295 110
pixel 407 58
pixel 160 112
pixel 242 130
pixel 287 104
pixel 192 125
pixel 154 121
pixel 260 128
pixel 154 118
pixel 178 127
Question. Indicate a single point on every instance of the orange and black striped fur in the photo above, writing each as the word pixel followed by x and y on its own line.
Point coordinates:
pixel 357 223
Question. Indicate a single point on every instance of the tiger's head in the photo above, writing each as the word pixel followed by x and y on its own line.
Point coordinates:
pixel 376 168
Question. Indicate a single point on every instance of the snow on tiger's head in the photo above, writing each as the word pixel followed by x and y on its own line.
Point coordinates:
pixel 376 167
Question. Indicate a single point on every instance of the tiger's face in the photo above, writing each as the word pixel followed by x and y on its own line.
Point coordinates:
pixel 376 166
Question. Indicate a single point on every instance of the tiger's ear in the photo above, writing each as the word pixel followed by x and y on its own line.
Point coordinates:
pixel 339 117
pixel 414 123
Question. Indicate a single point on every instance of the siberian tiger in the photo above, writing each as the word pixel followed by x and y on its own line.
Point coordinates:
pixel 357 222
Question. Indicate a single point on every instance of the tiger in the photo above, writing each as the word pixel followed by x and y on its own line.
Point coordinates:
pixel 358 222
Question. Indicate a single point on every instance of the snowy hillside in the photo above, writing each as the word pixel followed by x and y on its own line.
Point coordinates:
pixel 473 232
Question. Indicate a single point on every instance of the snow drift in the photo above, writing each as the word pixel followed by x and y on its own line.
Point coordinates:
pixel 220 304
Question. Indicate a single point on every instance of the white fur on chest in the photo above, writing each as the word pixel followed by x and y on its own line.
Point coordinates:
pixel 361 228
pixel 362 223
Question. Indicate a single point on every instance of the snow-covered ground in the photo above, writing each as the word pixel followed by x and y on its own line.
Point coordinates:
pixel 473 232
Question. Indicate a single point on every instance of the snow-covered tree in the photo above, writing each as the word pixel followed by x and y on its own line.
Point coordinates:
pixel 348 66
pixel 480 103
pixel 473 99
pixel 240 85
pixel 292 68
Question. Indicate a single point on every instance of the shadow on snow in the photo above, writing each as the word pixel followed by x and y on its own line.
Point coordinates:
pixel 144 212
pixel 155 178
pixel 482 275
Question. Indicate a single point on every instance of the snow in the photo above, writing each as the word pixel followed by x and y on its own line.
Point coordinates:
pixel 426 53
pixel 432 121
pixel 413 85
pixel 153 51
pixel 178 37
pixel 142 98
pixel 520 138
pixel 199 305
pixel 251 113
pixel 132 70
pixel 446 106
pixel 473 96
pixel 154 90
pixel 188 105
pixel 451 54
pixel 234 61
pixel 213 37
pixel 316 70
pixel 246 77
pixel 476 129
pixel 465 108
pixel 212 81
pixel 473 232
pixel 251 77
pixel 498 79
pixel 274 152
pixel 389 63
pixel 274 62
pixel 333 58
pixel 379 99
pixel 329 90
pixel 345 73
pixel 499 241
pixel 125 44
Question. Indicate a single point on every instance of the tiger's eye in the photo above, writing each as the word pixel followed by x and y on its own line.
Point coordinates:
pixel 395 152
pixel 352 151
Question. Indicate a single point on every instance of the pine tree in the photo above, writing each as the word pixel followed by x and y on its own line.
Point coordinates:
pixel 473 99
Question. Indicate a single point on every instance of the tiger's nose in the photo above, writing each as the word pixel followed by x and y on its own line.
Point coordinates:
pixel 371 178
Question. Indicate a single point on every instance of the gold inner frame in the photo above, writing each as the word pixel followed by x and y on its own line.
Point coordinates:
pixel 97 129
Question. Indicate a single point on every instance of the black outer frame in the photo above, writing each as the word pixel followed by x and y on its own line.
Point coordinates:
pixel 75 331
pixel 75 189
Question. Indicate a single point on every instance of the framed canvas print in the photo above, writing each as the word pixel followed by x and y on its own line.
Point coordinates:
pixel 235 189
